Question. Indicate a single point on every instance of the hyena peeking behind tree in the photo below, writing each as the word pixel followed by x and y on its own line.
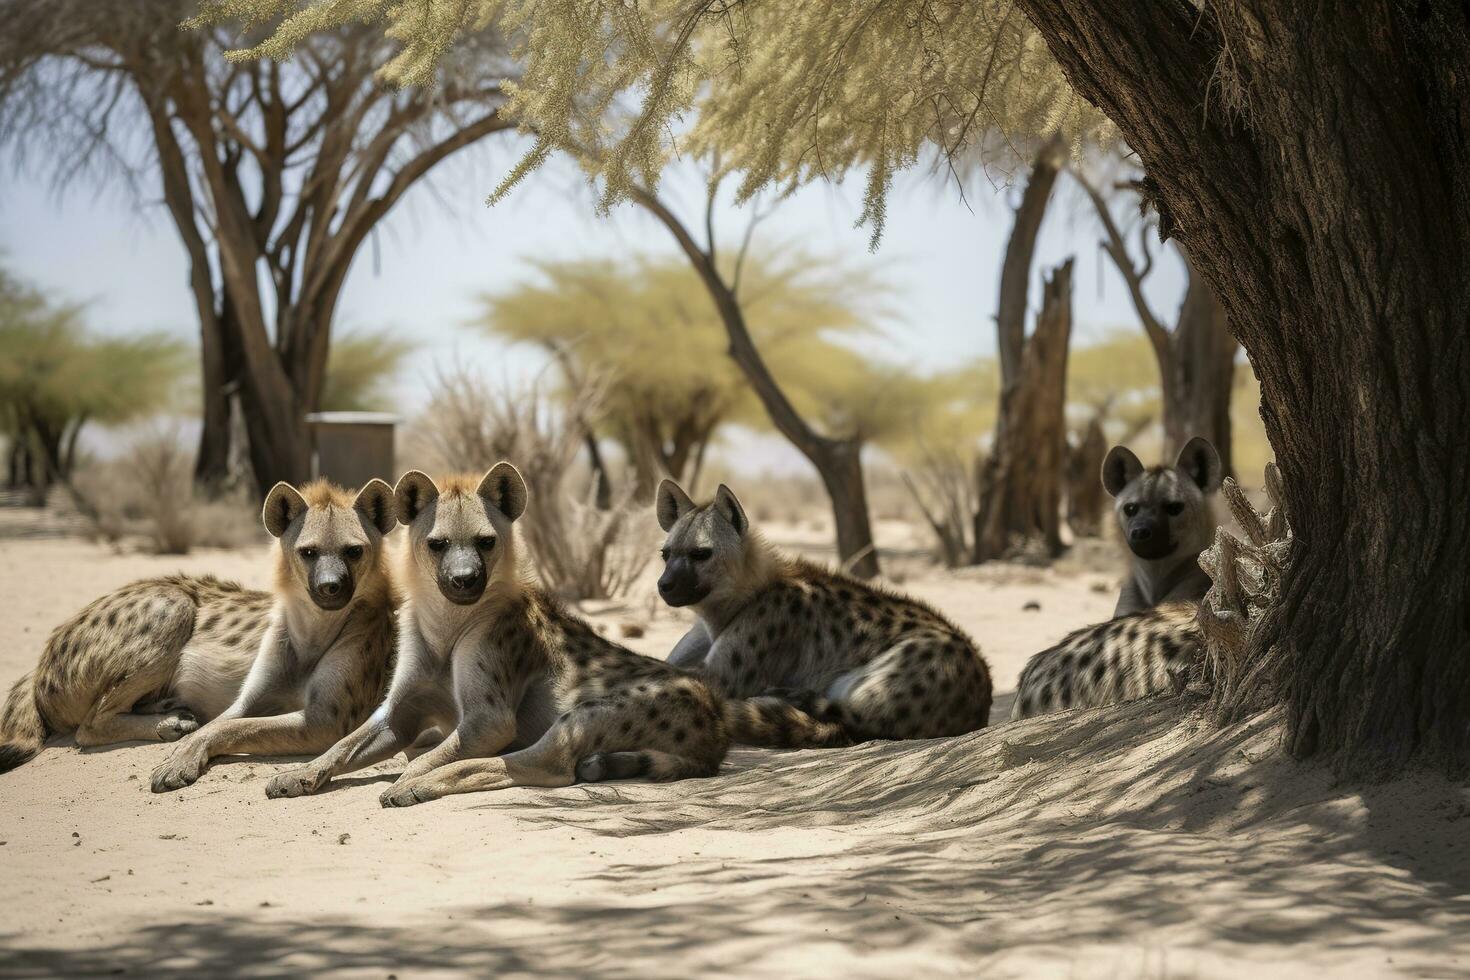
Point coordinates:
pixel 809 657
pixel 490 663
pixel 281 672
pixel 1166 520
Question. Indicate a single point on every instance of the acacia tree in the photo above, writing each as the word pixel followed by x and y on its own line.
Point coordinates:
pixel 57 377
pixel 273 174
pixel 1196 358
pixel 1313 160
pixel 648 328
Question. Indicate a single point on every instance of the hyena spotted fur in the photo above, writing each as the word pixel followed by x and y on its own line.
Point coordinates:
pixel 804 656
pixel 263 672
pixel 1165 520
pixel 489 663
pixel 1120 660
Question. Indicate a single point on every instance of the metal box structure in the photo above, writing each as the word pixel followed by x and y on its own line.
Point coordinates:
pixel 350 448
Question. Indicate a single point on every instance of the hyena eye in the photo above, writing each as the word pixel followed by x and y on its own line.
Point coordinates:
pixel 485 543
pixel 353 552
pixel 701 554
pixel 438 544
pixel 1174 508
pixel 1130 509
pixel 307 553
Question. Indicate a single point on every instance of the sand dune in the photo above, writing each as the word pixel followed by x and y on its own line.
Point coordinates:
pixel 1134 841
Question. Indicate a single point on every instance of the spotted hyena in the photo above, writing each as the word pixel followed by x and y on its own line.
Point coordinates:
pixel 276 672
pixel 490 663
pixel 1125 658
pixel 807 656
pixel 1165 520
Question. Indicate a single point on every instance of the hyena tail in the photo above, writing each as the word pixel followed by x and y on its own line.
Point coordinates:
pixel 774 723
pixel 22 729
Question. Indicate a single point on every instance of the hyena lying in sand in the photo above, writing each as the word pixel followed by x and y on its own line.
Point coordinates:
pixel 1165 519
pixel 1125 658
pixel 498 664
pixel 810 657
pixel 157 659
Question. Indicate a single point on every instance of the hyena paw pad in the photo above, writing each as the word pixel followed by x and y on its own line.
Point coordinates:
pixel 298 782
pixel 174 775
pixel 175 727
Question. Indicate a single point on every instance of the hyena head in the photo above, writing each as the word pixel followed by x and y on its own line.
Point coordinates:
pixel 460 533
pixel 704 553
pixel 330 542
pixel 1164 511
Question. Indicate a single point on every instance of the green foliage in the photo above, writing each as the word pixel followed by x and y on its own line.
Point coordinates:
pixel 781 92
pixel 56 375
pixel 648 333
pixel 360 368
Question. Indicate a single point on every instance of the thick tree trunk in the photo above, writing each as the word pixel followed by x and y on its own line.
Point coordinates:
pixel 841 470
pixel 1021 489
pixel 1085 497
pixel 1199 374
pixel 1015 268
pixel 218 352
pixel 1002 521
pixel 1332 217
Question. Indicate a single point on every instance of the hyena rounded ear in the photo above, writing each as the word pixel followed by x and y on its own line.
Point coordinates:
pixel 414 492
pixel 730 509
pixel 505 490
pixel 671 503
pixel 1119 469
pixel 376 504
pixel 1201 462
pixel 282 506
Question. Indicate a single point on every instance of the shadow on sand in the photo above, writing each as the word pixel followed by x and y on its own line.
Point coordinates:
pixel 1135 826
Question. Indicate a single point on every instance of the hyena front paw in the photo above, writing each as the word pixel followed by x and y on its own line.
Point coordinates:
pixel 410 793
pixel 181 769
pixel 176 726
pixel 297 782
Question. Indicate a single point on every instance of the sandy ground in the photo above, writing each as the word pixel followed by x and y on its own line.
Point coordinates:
pixel 1114 843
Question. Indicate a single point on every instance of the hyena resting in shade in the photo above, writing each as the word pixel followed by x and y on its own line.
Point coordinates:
pixel 1125 658
pixel 497 663
pixel 157 659
pixel 810 657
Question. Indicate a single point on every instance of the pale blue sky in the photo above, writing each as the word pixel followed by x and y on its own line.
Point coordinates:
pixel 443 245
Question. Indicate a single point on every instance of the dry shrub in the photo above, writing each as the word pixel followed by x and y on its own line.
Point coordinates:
pixel 942 484
pixel 148 492
pixel 580 551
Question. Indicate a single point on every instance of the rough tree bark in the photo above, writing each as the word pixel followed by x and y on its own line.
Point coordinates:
pixel 991 540
pixel 1315 161
pixel 1021 487
pixel 1196 359
pixel 838 460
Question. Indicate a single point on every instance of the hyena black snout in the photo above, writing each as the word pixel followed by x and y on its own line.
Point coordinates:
pixel 462 574
pixel 1148 536
pixel 679 585
pixel 331 582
